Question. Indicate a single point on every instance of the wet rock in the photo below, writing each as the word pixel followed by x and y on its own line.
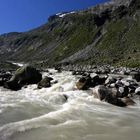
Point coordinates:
pixel 54 81
pixel 91 80
pixel 119 84
pixel 27 75
pixel 101 92
pixel 132 90
pixel 2 81
pixel 58 98
pixel 45 83
pixel 84 83
pixel 23 76
pixel 86 74
pixel 113 85
pixel 136 75
pixel 102 80
pixel 95 79
pixel 127 101
pixel 66 97
pixel 4 77
pixel 94 76
pixel 137 91
pixel 58 68
pixel 73 72
pixel 105 94
pixel 118 102
pixel 13 85
pixel 123 91
pixel 110 80
pixel 125 82
pixel 50 73
pixel 128 86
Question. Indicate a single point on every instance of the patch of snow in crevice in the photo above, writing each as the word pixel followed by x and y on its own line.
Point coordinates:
pixel 61 15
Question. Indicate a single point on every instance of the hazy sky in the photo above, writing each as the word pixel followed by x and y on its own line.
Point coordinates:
pixel 23 15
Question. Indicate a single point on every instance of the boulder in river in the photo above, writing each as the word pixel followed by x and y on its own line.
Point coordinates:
pixel 44 83
pixel 137 91
pixel 105 94
pixel 13 85
pixel 2 81
pixel 127 101
pixel 23 76
pixel 4 77
pixel 88 81
pixel 84 83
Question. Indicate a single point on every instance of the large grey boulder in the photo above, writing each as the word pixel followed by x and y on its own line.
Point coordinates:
pixel 23 76
pixel 105 94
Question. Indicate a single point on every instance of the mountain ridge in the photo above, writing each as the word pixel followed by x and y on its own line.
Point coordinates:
pixel 104 34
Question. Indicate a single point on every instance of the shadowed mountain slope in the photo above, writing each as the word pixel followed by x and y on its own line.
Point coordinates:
pixel 105 34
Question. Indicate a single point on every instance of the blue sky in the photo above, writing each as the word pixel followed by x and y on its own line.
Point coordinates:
pixel 23 15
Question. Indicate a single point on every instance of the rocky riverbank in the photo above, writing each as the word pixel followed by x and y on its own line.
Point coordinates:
pixel 117 86
pixel 103 69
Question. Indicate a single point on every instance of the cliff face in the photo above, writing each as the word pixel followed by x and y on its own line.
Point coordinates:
pixel 104 34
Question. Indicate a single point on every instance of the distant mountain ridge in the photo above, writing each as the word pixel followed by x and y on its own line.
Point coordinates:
pixel 104 34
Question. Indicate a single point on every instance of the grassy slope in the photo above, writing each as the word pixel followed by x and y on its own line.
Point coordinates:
pixel 121 44
pixel 60 38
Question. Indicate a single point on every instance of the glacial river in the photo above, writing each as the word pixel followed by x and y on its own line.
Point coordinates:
pixel 32 114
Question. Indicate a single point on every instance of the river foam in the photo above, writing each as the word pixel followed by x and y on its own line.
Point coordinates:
pixel 32 114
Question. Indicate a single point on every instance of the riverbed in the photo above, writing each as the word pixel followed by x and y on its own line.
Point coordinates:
pixel 45 114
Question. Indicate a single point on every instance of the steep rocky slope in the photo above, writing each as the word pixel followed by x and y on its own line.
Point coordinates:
pixel 105 34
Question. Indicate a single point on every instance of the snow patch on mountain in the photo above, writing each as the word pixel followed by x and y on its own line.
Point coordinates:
pixel 61 15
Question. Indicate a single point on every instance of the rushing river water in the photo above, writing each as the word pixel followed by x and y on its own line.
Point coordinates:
pixel 31 114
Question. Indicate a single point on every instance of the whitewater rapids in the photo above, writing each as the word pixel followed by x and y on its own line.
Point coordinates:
pixel 43 114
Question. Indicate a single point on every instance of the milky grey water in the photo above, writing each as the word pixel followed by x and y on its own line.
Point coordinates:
pixel 31 114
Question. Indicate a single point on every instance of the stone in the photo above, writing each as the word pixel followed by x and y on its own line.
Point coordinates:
pixel 2 81
pixel 4 77
pixel 13 85
pixel 105 94
pixel 136 75
pixel 113 85
pixel 110 80
pixel 54 81
pixel 83 83
pixel 123 91
pixel 45 83
pixel 27 75
pixel 127 101
pixel 137 91
pixel 94 75
pixel 119 84
pixel 23 76
pixel 125 82
pixel 73 72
